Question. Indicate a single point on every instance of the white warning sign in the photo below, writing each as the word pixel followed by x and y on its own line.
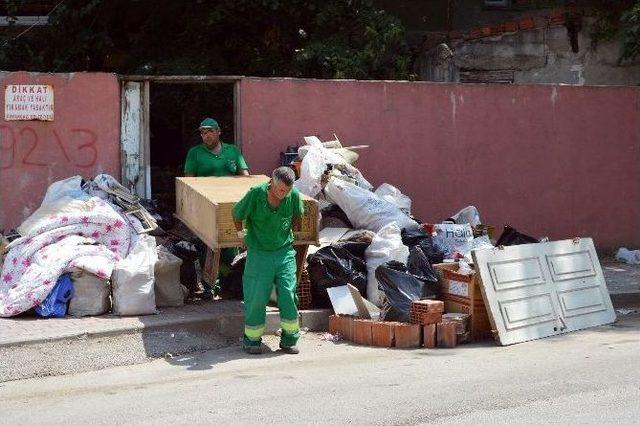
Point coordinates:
pixel 28 102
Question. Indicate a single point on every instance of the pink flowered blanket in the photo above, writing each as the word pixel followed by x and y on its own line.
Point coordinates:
pixel 93 240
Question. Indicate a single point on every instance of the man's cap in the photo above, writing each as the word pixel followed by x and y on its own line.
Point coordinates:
pixel 209 123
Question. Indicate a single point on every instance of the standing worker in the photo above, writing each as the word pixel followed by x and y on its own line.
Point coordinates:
pixel 270 211
pixel 215 158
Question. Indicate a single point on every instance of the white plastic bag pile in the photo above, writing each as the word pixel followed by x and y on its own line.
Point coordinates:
pixel 133 279
pixel 385 247
pixel 364 208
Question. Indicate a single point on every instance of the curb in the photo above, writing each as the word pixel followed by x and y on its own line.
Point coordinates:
pixel 225 326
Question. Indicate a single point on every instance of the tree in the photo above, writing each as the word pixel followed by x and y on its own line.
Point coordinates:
pixel 619 20
pixel 299 38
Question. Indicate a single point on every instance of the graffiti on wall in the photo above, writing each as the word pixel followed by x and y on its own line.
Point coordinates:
pixel 24 146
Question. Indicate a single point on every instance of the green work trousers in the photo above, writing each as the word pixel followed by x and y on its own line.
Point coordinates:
pixel 262 270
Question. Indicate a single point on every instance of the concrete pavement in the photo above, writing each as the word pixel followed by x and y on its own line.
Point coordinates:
pixel 586 377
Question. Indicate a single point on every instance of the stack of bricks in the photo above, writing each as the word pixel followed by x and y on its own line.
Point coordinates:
pixel 303 290
pixel 461 321
pixel 429 327
pixel 426 312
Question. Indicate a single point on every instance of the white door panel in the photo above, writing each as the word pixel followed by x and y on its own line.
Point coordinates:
pixel 543 289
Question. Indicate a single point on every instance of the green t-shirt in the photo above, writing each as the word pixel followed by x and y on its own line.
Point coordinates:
pixel 268 228
pixel 201 161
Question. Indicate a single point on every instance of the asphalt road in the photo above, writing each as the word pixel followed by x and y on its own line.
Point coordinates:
pixel 587 377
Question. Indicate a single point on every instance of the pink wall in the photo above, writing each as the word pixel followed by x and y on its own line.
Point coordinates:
pixel 550 160
pixel 82 140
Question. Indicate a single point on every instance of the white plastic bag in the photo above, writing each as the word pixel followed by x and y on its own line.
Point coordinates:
pixel 365 209
pixel 168 290
pixel 133 277
pixel 469 215
pixel 90 295
pixel 451 239
pixel 393 195
pixel 386 246
pixel 628 256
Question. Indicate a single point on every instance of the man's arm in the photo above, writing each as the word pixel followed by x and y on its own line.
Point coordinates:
pixel 243 168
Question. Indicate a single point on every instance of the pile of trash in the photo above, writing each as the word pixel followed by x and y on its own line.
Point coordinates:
pixel 85 251
pixel 373 247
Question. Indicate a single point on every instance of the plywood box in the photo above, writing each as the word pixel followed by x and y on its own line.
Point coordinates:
pixel 461 293
pixel 204 204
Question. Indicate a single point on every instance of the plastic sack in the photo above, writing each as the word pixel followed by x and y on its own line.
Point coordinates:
pixel 334 266
pixel 167 287
pixel 419 266
pixel 511 237
pixel 478 243
pixel 452 239
pixel 469 214
pixel 91 294
pixel 393 195
pixel 628 256
pixel 400 288
pixel 55 304
pixel 365 209
pixel 132 279
pixel 385 247
pixel 417 237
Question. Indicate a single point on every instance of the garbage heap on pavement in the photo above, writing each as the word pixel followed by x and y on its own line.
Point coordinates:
pixel 392 279
pixel 87 251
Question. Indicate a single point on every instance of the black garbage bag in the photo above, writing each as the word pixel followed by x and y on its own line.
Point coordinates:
pixel 356 248
pixel 334 266
pixel 418 265
pixel 417 237
pixel 189 254
pixel 512 237
pixel 231 284
pixel 400 289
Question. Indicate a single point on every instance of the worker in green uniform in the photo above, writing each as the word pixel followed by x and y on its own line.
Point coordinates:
pixel 264 219
pixel 213 157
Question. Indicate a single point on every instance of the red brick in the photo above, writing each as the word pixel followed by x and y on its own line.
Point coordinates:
pixel 526 24
pixel 456 35
pixel 383 334
pixel 428 305
pixel 511 26
pixel 429 318
pixel 407 335
pixel 497 29
pixel 362 332
pixel 446 335
pixel 334 324
pixel 347 328
pixel 429 333
pixel 475 33
pixel 486 31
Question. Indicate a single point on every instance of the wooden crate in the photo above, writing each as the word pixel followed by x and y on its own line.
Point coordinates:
pixel 204 204
pixel 461 293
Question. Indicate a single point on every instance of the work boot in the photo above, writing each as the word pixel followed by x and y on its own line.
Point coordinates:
pixel 291 350
pixel 253 350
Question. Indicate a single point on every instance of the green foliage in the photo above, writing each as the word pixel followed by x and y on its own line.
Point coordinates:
pixel 299 38
pixel 618 20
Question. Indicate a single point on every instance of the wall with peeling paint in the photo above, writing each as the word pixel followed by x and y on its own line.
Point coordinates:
pixel 82 140
pixel 558 161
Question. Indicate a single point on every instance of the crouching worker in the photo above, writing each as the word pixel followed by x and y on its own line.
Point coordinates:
pixel 270 211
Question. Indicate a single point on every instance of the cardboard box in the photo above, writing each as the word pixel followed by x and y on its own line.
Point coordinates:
pixel 461 293
pixel 204 204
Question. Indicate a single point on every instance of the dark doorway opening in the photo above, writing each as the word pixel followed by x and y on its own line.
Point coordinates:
pixel 175 112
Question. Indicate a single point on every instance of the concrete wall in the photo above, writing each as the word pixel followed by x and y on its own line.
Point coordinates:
pixel 542 55
pixel 82 140
pixel 550 160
